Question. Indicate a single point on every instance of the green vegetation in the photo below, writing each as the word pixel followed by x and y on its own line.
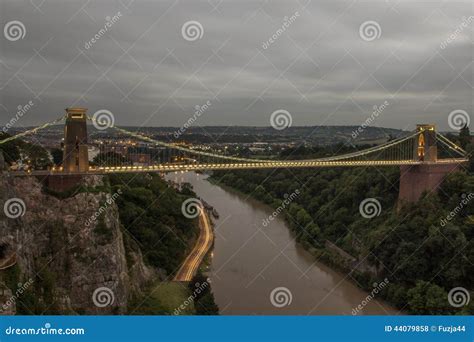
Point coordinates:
pixel 150 212
pixel 163 298
pixel 422 256
pixel 176 298
pixel 204 299
pixel 57 155
pixel 29 154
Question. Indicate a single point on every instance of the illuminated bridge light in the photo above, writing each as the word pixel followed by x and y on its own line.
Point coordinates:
pixel 359 158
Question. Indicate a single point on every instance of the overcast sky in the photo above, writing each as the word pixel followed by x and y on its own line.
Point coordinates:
pixel 320 69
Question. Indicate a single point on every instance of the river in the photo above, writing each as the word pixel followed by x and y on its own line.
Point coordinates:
pixel 249 261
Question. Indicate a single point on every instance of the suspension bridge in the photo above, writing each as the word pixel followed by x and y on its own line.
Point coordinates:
pixel 416 153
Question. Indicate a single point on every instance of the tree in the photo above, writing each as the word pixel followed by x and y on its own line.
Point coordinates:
pixel 57 155
pixel 428 299
pixel 10 149
pixel 464 136
pixel 204 303
pixel 111 159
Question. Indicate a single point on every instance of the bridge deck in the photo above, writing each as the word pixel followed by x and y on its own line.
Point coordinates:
pixel 234 166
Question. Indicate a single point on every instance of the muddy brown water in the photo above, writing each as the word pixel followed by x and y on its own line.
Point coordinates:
pixel 249 261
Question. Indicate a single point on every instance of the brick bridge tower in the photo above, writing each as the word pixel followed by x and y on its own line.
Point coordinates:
pixel 75 156
pixel 427 176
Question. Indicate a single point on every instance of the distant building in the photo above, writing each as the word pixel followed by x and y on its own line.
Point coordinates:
pixel 140 159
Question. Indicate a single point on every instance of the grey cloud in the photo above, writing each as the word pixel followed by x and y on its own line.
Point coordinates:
pixel 330 75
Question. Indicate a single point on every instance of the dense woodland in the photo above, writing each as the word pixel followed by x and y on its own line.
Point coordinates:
pixel 422 257
pixel 150 211
pixel 151 217
pixel 410 245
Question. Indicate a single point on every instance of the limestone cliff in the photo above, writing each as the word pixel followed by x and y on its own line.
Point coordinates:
pixel 72 253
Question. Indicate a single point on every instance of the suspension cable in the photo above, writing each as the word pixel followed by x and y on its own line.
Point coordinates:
pixel 249 160
pixel 453 145
pixel 31 131
pixel 369 150
pixel 452 148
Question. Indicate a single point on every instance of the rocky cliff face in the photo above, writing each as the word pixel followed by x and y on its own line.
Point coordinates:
pixel 72 253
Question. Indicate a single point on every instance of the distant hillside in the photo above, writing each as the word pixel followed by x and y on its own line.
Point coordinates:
pixel 318 135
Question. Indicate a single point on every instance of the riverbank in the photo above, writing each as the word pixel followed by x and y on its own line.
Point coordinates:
pixel 329 254
pixel 191 264
pixel 370 244
pixel 249 261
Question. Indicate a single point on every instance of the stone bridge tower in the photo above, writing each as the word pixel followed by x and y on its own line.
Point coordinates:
pixel 425 145
pixel 427 176
pixel 75 156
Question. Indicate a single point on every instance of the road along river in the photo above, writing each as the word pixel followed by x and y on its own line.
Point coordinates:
pixel 262 270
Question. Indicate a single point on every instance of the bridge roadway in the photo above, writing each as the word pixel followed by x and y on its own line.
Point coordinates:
pixel 234 166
